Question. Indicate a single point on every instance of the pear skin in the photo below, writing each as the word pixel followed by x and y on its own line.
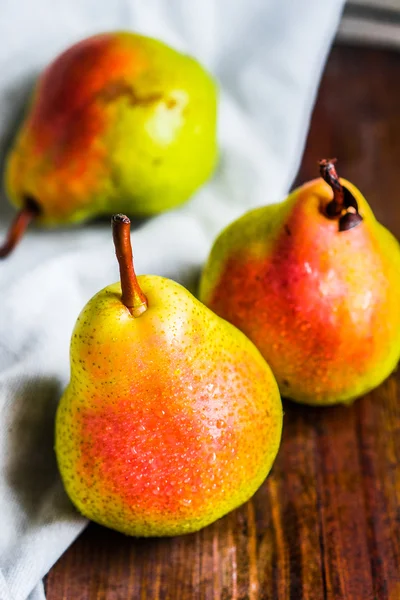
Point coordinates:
pixel 320 303
pixel 118 121
pixel 171 418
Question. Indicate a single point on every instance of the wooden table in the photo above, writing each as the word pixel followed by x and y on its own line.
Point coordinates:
pixel 326 523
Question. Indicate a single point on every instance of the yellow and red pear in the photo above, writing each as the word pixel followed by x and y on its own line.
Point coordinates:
pixel 172 417
pixel 314 282
pixel 117 122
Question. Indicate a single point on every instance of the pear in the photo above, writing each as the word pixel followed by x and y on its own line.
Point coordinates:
pixel 314 282
pixel 172 418
pixel 118 122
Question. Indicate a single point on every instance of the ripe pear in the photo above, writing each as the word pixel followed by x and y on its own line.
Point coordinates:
pixel 119 121
pixel 314 282
pixel 172 418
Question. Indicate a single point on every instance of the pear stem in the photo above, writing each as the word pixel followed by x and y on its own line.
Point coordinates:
pixel 132 296
pixel 344 206
pixel 18 227
pixel 328 173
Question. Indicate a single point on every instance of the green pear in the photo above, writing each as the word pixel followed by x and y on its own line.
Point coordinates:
pixel 118 122
pixel 172 418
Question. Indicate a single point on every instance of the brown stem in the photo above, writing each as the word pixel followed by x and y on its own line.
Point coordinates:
pixel 328 173
pixel 18 227
pixel 132 295
pixel 343 206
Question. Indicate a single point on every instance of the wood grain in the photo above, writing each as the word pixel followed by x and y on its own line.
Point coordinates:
pixel 326 523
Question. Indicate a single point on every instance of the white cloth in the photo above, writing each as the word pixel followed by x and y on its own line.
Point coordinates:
pixel 268 56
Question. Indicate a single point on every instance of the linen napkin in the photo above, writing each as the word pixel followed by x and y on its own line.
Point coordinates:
pixel 267 56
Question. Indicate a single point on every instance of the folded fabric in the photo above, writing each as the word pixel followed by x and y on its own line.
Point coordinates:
pixel 268 56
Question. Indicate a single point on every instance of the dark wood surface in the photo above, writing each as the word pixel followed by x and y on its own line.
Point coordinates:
pixel 326 523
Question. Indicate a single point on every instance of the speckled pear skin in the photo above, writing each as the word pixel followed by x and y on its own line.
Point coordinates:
pixel 321 305
pixel 118 122
pixel 170 420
